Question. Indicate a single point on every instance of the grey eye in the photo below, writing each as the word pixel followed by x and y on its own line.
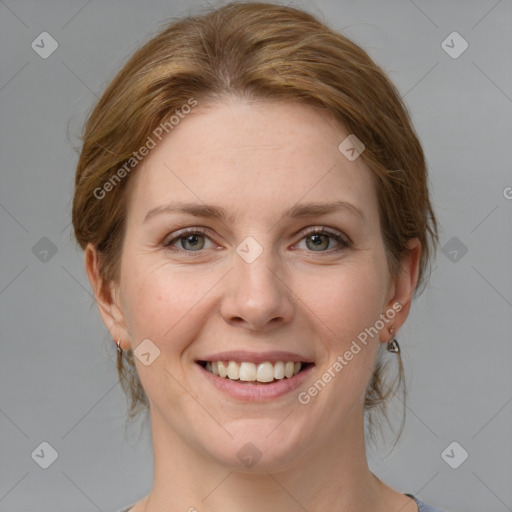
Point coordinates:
pixel 195 242
pixel 318 242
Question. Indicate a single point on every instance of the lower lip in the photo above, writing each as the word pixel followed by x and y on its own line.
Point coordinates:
pixel 256 392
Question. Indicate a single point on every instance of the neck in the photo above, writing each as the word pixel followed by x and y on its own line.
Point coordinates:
pixel 331 474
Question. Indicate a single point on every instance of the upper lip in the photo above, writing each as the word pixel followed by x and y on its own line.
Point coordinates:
pixel 255 357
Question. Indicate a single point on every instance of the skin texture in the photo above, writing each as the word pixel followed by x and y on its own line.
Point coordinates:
pixel 256 160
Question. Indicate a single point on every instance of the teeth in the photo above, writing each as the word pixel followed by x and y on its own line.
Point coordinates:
pixel 288 369
pixel 223 371
pixel 233 370
pixel 265 372
pixel 279 370
pixel 250 372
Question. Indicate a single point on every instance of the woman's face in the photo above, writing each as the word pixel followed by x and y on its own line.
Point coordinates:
pixel 254 282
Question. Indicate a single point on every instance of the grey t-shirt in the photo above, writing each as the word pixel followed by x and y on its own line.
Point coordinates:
pixel 422 507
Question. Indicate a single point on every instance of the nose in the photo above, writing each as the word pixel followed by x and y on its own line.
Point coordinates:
pixel 257 296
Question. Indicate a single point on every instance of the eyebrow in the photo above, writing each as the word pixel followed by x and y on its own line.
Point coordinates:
pixel 296 211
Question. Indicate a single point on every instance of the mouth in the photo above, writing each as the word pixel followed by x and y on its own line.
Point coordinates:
pixel 247 372
pixel 257 382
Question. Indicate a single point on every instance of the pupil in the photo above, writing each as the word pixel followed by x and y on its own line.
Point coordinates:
pixel 192 241
pixel 317 241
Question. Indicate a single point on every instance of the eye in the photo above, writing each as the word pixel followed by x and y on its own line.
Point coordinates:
pixel 191 240
pixel 319 239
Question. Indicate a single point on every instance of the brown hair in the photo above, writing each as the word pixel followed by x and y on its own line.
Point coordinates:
pixel 256 51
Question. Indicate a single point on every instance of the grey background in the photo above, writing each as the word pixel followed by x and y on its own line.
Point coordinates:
pixel 57 366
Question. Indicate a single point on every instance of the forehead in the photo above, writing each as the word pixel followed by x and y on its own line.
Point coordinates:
pixel 245 155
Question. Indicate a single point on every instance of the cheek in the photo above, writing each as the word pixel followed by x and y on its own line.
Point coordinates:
pixel 345 300
pixel 164 302
pixel 345 326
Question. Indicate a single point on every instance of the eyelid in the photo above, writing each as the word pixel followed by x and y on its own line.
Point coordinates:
pixel 340 237
pixel 334 233
pixel 186 231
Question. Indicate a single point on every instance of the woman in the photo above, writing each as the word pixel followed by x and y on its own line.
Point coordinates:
pixel 253 205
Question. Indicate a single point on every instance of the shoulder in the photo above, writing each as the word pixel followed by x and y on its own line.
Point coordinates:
pixel 423 507
pixel 138 506
pixel 127 509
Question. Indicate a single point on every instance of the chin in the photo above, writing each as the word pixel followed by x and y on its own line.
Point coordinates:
pixel 257 448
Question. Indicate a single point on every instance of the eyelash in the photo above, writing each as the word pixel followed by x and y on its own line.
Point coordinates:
pixel 344 242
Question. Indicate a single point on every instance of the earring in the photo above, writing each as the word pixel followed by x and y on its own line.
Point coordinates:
pixel 119 349
pixel 393 345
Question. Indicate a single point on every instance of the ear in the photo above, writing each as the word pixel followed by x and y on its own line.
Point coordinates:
pixel 106 295
pixel 402 289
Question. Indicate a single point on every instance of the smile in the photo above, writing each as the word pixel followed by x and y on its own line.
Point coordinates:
pixel 250 372
pixel 257 382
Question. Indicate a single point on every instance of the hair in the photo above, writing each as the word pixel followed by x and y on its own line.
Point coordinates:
pixel 255 52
